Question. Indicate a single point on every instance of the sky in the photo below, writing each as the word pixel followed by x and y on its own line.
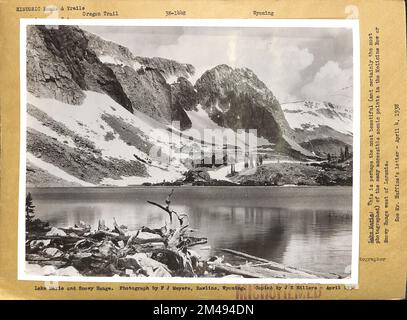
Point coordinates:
pixel 295 63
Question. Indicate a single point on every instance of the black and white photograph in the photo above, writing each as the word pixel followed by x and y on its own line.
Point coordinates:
pixel 206 152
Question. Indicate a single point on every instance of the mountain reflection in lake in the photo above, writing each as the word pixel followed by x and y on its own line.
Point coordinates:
pixel 308 227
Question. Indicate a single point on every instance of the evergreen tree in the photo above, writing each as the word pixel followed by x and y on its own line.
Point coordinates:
pixel 29 208
pixel 342 155
pixel 246 160
pixel 346 152
pixel 329 157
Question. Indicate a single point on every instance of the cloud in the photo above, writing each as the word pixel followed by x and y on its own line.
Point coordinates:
pixel 277 61
pixel 285 64
pixel 232 52
pixel 295 63
pixel 331 83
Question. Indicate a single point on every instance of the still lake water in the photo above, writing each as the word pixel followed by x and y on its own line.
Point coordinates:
pixel 307 227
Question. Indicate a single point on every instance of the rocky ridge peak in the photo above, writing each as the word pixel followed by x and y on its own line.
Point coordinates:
pixel 61 65
pixel 113 53
pixel 237 98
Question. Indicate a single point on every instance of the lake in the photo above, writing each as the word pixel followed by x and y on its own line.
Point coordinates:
pixel 307 227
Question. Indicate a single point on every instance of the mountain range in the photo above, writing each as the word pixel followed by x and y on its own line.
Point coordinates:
pixel 98 114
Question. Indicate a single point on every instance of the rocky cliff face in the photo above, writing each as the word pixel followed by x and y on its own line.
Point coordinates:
pixel 237 99
pixel 64 61
pixel 147 90
pixel 47 74
pixel 150 83
pixel 184 94
pixel 150 94
pixel 110 52
pixel 183 98
pixel 170 69
pixel 157 87
pixel 60 65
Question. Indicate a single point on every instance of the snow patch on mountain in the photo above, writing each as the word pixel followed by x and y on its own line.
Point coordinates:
pixel 90 121
pixel 308 115
pixel 55 171
pixel 201 120
pixel 87 121
pixel 170 79
pixel 109 59
pixel 157 175
pixel 40 127
pixel 114 60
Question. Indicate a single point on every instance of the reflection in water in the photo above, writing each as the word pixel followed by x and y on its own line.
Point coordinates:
pixel 304 227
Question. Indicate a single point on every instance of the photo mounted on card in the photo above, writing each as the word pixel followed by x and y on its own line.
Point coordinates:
pixel 189 151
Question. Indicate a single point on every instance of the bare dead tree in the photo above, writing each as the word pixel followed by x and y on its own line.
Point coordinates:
pixel 169 211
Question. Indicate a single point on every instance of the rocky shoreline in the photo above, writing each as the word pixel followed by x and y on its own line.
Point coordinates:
pixel 169 251
pixel 273 174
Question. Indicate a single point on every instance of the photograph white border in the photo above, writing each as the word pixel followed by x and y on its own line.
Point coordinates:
pixel 259 23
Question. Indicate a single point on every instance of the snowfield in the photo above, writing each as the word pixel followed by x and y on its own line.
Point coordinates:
pixel 200 121
pixel 309 115
pixel 86 120
pixel 111 60
pixel 170 146
pixel 55 171
pixel 40 127
pixel 157 175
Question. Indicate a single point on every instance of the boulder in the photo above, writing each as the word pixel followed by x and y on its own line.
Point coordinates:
pixel 197 175
pixel 150 266
pixel 160 272
pixel 129 272
pixel 48 270
pixel 81 260
pixel 56 232
pixel 73 235
pixel 173 260
pixel 53 252
pixel 36 269
pixel 39 244
pixel 67 272
pixel 128 263
pixel 107 249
